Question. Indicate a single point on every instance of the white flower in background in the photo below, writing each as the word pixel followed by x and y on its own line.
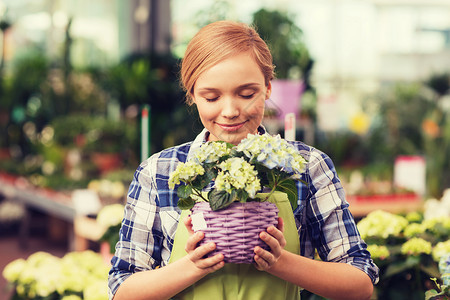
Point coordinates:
pixel 380 252
pixel 440 250
pixel 43 274
pixel 107 188
pixel 416 246
pixel 110 215
pixel 13 270
pixel 434 208
pixel 414 229
pixel 382 224
pixel 96 290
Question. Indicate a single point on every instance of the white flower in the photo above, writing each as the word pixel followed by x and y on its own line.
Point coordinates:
pixel 272 152
pixel 416 246
pixel 380 223
pixel 211 152
pixel 13 270
pixel 257 160
pixel 236 173
pixel 440 250
pixel 110 215
pixel 185 172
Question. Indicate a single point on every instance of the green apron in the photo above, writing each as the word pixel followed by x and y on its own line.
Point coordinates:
pixel 242 281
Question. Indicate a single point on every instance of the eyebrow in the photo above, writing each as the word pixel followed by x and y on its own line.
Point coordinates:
pixel 241 87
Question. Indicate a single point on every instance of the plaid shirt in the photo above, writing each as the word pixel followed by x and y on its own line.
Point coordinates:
pixel 151 217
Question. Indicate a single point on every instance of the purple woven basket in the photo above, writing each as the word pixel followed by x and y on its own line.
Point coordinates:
pixel 236 229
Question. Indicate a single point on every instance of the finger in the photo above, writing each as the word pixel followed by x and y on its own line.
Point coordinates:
pixel 260 263
pixel 193 240
pixel 277 234
pixel 212 262
pixel 264 254
pixel 272 242
pixel 202 251
pixel 188 223
pixel 280 225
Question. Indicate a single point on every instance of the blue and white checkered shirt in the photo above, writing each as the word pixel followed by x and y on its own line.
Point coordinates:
pixel 151 217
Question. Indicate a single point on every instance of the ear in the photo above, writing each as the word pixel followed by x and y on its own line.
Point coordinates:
pixel 269 90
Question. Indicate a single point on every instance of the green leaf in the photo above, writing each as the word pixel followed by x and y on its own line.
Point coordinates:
pixel 433 295
pixel 220 199
pixel 200 182
pixel 290 188
pixel 185 203
pixel 401 266
pixel 242 195
pixel 431 270
pixel 184 191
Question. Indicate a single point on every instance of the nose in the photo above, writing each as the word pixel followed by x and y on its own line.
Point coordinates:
pixel 230 108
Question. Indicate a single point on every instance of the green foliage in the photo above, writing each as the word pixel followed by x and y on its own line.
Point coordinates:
pixel 285 39
pixel 222 199
pixel 409 120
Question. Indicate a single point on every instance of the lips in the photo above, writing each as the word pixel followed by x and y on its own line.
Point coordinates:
pixel 231 127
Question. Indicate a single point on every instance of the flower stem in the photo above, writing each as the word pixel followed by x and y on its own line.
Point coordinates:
pixel 200 194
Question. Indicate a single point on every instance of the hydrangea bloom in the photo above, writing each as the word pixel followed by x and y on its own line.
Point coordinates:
pixel 42 275
pixel 185 172
pixel 272 152
pixel 110 215
pixel 211 152
pixel 440 250
pixel 241 171
pixel 431 224
pixel 414 229
pixel 381 224
pixel 380 252
pixel 416 246
pixel 236 173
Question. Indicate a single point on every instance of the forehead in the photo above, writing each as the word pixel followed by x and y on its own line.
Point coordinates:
pixel 235 70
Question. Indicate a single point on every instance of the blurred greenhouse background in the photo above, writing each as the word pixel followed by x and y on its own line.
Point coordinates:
pixel 371 89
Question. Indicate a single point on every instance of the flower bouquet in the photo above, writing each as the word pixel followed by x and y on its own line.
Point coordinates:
pixel 228 189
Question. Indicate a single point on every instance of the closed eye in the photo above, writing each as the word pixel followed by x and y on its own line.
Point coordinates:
pixel 211 99
pixel 248 96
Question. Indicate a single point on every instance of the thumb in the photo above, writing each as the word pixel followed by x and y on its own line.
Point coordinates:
pixel 188 223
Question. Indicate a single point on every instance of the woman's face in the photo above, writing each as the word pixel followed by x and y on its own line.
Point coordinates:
pixel 230 98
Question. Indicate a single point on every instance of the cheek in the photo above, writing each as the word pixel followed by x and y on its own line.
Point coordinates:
pixel 207 112
pixel 255 108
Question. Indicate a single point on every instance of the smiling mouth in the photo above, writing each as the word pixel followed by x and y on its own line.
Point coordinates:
pixel 231 127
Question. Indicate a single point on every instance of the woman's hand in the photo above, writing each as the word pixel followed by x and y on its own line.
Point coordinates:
pixel 274 238
pixel 196 254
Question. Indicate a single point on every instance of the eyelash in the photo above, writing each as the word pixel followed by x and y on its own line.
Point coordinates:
pixel 245 97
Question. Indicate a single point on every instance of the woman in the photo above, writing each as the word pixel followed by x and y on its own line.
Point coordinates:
pixel 227 72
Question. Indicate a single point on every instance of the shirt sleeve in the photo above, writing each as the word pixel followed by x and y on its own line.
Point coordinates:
pixel 139 246
pixel 330 225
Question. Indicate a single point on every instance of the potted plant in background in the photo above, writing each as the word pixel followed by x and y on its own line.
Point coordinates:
pixel 242 181
pixel 110 218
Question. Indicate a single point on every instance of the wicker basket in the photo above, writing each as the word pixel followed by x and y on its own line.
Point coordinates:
pixel 235 229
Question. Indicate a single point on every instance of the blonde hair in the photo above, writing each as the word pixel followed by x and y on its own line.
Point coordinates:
pixel 218 41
